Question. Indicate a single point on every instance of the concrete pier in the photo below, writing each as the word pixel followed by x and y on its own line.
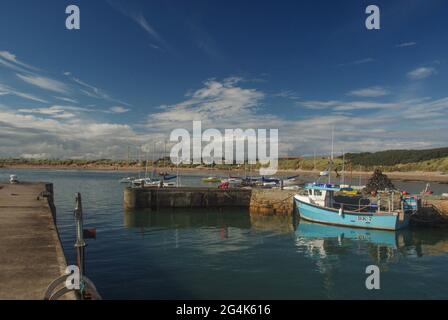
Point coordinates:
pixel 158 198
pixel 433 213
pixel 31 254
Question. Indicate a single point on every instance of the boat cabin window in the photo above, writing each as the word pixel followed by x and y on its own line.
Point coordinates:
pixel 316 192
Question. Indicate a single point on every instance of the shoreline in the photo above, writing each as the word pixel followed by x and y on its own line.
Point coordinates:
pixel 403 176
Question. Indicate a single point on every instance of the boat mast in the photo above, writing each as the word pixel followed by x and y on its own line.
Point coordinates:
pixel 177 172
pixel 138 157
pixel 164 153
pixel 146 164
pixel 343 166
pixel 360 184
pixel 331 157
pixel 153 155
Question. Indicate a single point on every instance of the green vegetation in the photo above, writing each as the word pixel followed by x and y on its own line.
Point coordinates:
pixel 395 157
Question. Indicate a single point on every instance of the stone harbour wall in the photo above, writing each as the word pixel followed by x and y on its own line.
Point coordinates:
pixel 272 202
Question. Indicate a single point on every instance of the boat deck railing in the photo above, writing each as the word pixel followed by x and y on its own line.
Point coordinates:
pixel 385 202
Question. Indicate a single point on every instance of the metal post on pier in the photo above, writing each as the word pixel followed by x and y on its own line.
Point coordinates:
pixel 80 243
pixel 87 290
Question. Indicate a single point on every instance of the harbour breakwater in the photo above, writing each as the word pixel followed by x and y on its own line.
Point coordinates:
pixel 259 201
pixel 185 197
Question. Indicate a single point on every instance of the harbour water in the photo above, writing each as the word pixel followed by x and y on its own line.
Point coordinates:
pixel 232 255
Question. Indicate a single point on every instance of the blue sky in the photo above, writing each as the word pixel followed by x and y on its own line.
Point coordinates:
pixel 138 69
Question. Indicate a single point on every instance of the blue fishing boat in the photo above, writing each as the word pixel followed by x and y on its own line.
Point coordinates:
pixel 391 211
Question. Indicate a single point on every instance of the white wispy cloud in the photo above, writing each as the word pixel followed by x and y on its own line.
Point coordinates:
pixel 287 94
pixel 347 105
pixel 9 60
pixel 421 73
pixel 58 112
pixel 65 99
pixel 204 41
pixel 69 88
pixel 45 83
pixel 144 24
pixel 406 44
pixel 357 62
pixel 68 111
pixel 119 109
pixel 6 90
pixel 370 92
pixel 94 92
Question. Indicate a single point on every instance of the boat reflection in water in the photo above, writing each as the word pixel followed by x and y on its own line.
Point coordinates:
pixel 313 240
pixel 308 230
pixel 320 241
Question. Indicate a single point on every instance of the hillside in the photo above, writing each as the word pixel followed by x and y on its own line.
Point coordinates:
pixel 395 157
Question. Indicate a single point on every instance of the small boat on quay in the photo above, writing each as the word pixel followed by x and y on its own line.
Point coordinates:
pixel 427 190
pixel 148 182
pixel 141 182
pixel 127 180
pixel 233 180
pixel 293 180
pixel 391 211
pixel 13 179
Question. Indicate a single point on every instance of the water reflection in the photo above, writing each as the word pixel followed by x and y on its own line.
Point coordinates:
pixel 321 241
pixel 186 218
pixel 315 240
pixel 276 224
pixel 338 251
pixel 313 230
pixel 208 231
